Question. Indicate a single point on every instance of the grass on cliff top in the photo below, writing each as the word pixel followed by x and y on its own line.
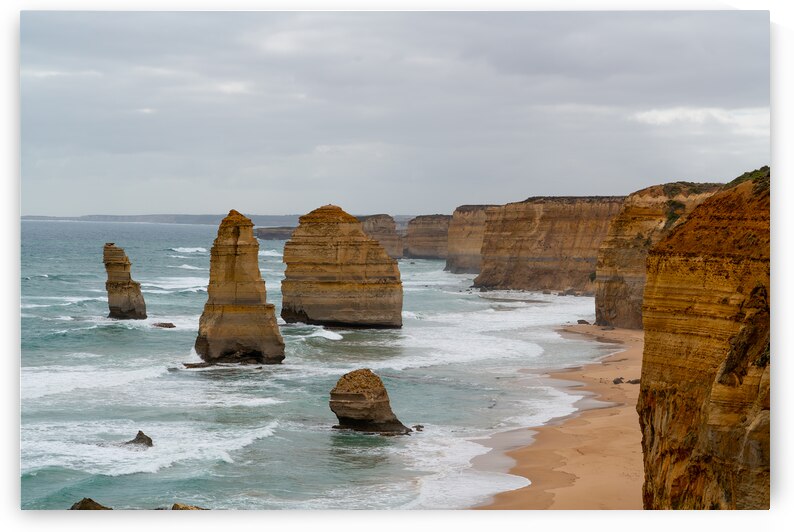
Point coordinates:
pixel 759 177
pixel 673 189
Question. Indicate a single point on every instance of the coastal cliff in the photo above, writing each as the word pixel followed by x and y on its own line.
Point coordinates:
pixel 465 237
pixel 704 394
pixel 237 325
pixel 382 228
pixel 273 233
pixel 125 299
pixel 545 243
pixel 646 217
pixel 427 237
pixel 337 275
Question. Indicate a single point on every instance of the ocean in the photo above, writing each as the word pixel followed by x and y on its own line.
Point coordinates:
pixel 466 365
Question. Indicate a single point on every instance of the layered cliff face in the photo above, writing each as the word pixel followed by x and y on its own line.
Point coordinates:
pixel 337 275
pixel 273 233
pixel 427 237
pixel 465 237
pixel 382 228
pixel 125 299
pixel 545 243
pixel 646 217
pixel 704 393
pixel 237 325
pixel 360 402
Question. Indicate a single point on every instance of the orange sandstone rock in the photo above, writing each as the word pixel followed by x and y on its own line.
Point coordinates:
pixel 704 392
pixel 465 237
pixel 125 299
pixel 427 237
pixel 237 325
pixel 360 402
pixel 337 275
pixel 646 217
pixel 382 228
pixel 545 243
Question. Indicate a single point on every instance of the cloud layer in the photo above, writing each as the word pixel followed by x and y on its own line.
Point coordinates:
pixel 275 113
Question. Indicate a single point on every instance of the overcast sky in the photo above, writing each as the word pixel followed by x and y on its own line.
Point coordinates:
pixel 403 113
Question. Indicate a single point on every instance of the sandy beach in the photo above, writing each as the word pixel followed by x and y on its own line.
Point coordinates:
pixel 593 458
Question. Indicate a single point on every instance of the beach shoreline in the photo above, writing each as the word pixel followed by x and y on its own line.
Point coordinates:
pixel 590 459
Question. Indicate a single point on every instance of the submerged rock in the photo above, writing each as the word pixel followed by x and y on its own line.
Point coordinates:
pixel 88 504
pixel 164 325
pixel 337 275
pixel 237 325
pixel 124 295
pixel 180 506
pixel 360 402
pixel 140 439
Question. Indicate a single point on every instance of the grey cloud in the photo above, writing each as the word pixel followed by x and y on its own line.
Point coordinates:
pixel 387 112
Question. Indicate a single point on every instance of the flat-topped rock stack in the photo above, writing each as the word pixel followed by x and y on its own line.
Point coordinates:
pixel 360 402
pixel 704 402
pixel 545 243
pixel 237 325
pixel 382 228
pixel 339 276
pixel 465 236
pixel 427 237
pixel 125 299
pixel 645 218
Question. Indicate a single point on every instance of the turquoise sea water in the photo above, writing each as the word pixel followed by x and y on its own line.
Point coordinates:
pixel 250 438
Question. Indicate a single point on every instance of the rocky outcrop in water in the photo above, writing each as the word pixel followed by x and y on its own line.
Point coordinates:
pixel 465 236
pixel 124 295
pixel 180 506
pixel 545 243
pixel 140 439
pixel 360 402
pixel 646 217
pixel 273 233
pixel 337 275
pixel 382 228
pixel 237 325
pixel 704 392
pixel 427 237
pixel 88 504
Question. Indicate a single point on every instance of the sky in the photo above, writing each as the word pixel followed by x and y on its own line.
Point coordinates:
pixel 401 113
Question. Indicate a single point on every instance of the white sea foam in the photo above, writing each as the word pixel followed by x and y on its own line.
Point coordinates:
pixel 177 283
pixel 93 447
pixel 188 267
pixel 270 253
pixel 324 333
pixel 189 250
pixel 41 381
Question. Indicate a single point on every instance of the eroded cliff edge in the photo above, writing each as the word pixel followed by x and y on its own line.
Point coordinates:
pixel 427 237
pixel 704 395
pixel 464 239
pixel 645 218
pixel 337 275
pixel 545 243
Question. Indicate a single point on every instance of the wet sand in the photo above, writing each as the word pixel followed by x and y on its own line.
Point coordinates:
pixel 591 459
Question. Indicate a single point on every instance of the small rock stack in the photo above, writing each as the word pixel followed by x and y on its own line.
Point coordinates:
pixel 124 295
pixel 360 402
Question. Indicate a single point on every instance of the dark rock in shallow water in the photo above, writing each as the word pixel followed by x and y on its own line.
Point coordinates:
pixel 617 380
pixel 360 402
pixel 88 504
pixel 634 381
pixel 164 325
pixel 180 506
pixel 140 439
pixel 583 322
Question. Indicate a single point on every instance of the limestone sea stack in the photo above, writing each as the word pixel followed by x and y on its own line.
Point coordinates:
pixel 360 402
pixel 382 228
pixel 464 240
pixel 704 391
pixel 237 325
pixel 125 299
pixel 337 275
pixel 645 218
pixel 545 243
pixel 427 237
